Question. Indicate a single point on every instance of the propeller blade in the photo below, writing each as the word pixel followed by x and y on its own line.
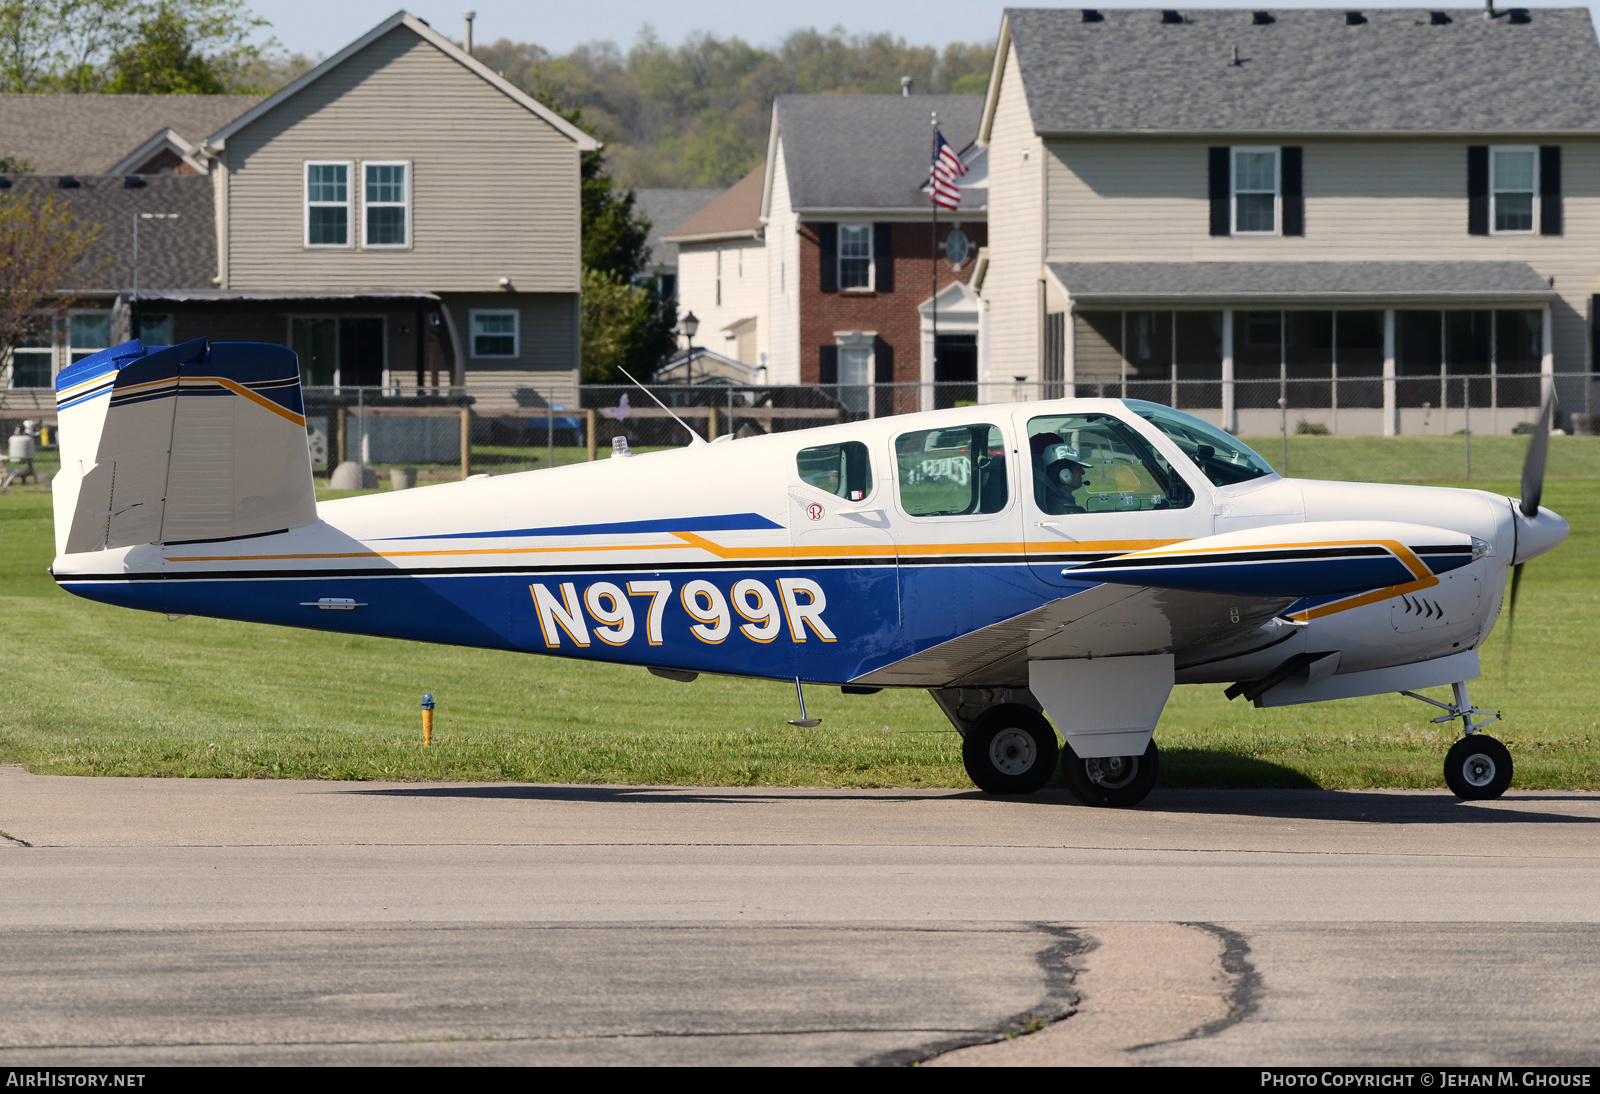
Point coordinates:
pixel 1533 465
pixel 1511 620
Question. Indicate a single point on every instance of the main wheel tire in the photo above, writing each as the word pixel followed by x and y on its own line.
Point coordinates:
pixel 1010 749
pixel 1116 781
pixel 1478 768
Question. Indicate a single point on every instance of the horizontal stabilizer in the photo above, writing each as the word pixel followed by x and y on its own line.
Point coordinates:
pixel 198 441
pixel 1315 559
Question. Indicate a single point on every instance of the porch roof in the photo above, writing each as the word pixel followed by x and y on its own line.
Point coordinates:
pixel 1285 284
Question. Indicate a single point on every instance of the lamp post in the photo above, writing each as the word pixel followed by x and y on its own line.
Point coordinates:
pixel 688 325
pixel 134 310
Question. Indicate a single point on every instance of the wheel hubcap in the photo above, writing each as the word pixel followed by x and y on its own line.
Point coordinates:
pixel 1012 752
pixel 1112 772
pixel 1478 770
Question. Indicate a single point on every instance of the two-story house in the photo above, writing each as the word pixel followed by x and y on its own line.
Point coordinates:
pixel 400 215
pixel 722 272
pixel 1266 200
pixel 854 260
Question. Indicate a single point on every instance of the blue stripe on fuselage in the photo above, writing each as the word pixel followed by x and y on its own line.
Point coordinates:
pixel 877 614
pixel 727 522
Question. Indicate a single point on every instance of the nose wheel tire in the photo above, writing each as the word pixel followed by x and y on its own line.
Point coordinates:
pixel 1010 749
pixel 1115 781
pixel 1478 768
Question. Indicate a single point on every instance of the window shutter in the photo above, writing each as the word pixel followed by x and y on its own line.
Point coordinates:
pixel 883 256
pixel 828 370
pixel 1221 222
pixel 882 363
pixel 1478 189
pixel 1294 196
pixel 1550 189
pixel 828 236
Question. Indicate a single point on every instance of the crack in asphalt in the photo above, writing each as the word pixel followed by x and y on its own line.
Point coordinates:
pixel 1244 995
pixel 1060 1001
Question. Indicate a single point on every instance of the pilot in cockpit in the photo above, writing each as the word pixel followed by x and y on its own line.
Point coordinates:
pixel 1057 472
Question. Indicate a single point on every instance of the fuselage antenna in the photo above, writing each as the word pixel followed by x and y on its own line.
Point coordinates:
pixel 695 438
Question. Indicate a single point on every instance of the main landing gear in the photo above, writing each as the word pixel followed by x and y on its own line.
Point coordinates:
pixel 1477 767
pixel 1011 749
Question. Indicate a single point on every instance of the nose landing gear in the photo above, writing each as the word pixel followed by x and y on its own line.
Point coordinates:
pixel 1477 767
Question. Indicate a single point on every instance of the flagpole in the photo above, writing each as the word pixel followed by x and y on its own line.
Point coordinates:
pixel 933 248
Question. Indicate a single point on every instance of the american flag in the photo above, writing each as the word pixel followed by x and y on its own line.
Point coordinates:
pixel 947 167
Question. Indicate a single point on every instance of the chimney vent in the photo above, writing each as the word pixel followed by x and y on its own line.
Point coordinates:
pixel 466 39
pixel 1354 18
pixel 1260 18
pixel 1519 16
pixel 1170 16
pixel 1092 16
pixel 1438 19
pixel 905 85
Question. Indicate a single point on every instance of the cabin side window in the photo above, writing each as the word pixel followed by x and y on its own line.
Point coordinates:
pixel 1094 463
pixel 844 470
pixel 953 471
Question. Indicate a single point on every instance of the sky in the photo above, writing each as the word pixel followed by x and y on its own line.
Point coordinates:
pixel 317 27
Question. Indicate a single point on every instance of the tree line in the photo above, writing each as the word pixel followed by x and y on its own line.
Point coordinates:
pixel 697 114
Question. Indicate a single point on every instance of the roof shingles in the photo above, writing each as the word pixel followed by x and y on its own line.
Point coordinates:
pixel 1309 71
pixel 869 151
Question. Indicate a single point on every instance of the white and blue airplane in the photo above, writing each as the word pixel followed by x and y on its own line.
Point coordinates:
pixel 1064 562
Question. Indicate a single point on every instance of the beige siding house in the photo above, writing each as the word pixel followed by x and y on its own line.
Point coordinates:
pixel 1223 208
pixel 403 212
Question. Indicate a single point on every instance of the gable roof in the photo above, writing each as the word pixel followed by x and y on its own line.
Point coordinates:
pixel 868 152
pixel 1306 71
pixel 667 208
pixel 89 134
pixel 735 214
pixel 178 253
pixel 584 141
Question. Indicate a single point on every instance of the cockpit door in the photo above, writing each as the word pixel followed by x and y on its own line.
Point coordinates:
pixel 1095 485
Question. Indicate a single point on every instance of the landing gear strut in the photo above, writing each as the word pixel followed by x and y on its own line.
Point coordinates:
pixel 1477 767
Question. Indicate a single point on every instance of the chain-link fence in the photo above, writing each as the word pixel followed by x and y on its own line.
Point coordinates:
pixel 1444 427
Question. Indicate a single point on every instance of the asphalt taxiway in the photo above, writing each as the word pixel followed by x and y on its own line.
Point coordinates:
pixel 177 921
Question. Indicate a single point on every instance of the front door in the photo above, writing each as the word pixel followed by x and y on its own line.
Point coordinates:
pixel 955 370
pixel 1096 486
pixel 361 351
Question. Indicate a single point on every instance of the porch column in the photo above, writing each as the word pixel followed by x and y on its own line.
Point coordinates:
pixel 1547 362
pixel 1391 411
pixel 1230 416
pixel 1069 353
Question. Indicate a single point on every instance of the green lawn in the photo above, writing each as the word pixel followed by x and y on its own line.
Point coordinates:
pixel 99 690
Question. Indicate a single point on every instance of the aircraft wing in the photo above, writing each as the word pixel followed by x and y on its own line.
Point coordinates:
pixel 1215 593
pixel 1104 621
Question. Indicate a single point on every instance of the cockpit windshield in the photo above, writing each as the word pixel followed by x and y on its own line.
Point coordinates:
pixel 1219 456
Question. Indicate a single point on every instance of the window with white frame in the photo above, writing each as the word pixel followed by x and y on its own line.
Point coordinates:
pixel 386 204
pixel 328 204
pixel 855 256
pixel 1513 181
pixel 1255 191
pixel 32 361
pixel 87 332
pixel 494 333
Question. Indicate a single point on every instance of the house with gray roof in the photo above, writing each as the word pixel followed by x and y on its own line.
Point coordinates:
pixel 854 258
pixel 401 216
pixel 665 208
pixel 1264 201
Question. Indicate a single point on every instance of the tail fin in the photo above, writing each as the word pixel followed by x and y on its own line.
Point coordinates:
pixel 199 441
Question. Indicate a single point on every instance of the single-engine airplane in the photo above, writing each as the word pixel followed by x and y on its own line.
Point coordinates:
pixel 1068 560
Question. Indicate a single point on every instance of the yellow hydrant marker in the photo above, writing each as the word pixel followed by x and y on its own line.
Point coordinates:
pixel 427 719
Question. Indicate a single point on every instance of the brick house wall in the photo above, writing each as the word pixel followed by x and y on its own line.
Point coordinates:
pixel 893 314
